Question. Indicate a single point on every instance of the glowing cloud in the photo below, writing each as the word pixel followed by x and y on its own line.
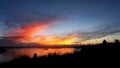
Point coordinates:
pixel 55 40
pixel 30 36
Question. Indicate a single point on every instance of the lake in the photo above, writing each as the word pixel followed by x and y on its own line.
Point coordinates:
pixel 14 53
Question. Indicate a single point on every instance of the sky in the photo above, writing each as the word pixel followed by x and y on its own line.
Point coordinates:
pixel 90 18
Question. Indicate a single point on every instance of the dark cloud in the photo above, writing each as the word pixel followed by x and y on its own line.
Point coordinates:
pixel 10 41
pixel 26 17
pixel 16 19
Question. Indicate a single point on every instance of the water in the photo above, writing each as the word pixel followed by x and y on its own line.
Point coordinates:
pixel 18 52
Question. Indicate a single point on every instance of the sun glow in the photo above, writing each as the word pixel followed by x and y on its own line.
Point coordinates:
pixel 31 31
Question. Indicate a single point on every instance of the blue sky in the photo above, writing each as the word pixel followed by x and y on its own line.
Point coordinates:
pixel 74 15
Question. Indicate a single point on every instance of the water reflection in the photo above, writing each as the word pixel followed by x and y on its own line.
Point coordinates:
pixel 40 51
pixel 16 53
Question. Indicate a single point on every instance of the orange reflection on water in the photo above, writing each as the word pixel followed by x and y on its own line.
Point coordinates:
pixel 41 51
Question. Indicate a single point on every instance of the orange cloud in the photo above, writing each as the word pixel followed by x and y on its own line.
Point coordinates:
pixel 30 35
pixel 55 40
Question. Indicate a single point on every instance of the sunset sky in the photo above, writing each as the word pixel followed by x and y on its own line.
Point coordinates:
pixel 66 21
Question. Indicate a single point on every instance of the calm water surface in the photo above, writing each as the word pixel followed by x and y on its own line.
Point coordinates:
pixel 18 52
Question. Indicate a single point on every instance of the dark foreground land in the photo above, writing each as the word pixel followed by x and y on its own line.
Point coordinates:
pixel 102 54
